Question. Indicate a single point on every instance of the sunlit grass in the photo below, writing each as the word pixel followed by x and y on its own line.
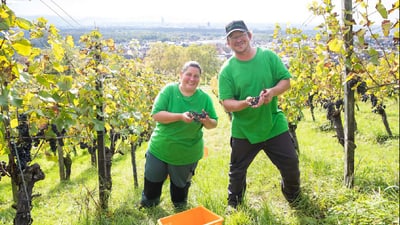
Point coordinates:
pixel 373 200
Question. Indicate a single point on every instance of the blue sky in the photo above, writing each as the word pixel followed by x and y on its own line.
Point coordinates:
pixel 172 11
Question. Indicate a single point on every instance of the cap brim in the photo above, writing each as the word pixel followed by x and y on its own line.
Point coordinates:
pixel 230 32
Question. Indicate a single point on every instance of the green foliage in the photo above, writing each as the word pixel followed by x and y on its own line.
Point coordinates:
pixel 168 59
pixel 58 84
pixel 373 200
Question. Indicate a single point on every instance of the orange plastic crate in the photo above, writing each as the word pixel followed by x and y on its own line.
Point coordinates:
pixel 196 216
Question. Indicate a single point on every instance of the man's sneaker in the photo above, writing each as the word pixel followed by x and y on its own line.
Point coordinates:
pixel 296 202
pixel 230 210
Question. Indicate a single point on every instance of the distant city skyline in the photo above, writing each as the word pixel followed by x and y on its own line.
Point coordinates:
pixel 76 13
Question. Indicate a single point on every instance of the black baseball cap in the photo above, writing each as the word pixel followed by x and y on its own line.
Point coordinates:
pixel 236 25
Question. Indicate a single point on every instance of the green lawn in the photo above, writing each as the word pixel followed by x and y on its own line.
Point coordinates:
pixel 373 200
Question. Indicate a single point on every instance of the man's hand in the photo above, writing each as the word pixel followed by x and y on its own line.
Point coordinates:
pixel 267 95
pixel 258 101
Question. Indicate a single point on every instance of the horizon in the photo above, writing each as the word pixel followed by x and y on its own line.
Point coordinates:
pixel 75 13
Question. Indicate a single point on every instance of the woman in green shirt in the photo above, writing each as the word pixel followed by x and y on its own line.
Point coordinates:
pixel 180 110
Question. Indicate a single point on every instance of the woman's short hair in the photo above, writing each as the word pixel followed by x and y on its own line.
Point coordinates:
pixel 191 64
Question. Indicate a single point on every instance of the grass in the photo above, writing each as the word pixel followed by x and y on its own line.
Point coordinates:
pixel 373 199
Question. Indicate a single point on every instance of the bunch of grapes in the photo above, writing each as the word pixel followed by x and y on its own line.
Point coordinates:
pixel 53 141
pixel 255 100
pixel 374 100
pixel 22 148
pixel 330 107
pixel 83 145
pixel 362 88
pixel 23 151
pixel 364 98
pixel 197 116
pixel 3 169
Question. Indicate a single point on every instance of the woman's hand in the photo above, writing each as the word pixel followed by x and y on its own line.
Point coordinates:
pixel 186 117
pixel 207 122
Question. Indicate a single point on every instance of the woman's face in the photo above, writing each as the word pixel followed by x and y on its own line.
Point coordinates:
pixel 190 79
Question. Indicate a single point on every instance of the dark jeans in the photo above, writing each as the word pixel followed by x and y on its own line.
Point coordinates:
pixel 156 172
pixel 282 154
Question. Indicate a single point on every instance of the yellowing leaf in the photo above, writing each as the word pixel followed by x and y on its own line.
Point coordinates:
pixel 107 126
pixel 34 101
pixel 65 84
pixel 133 138
pixel 51 157
pixel 360 34
pixel 374 56
pixel 382 10
pixel 110 43
pixel 23 23
pixel 57 66
pixel 14 123
pixel 386 24
pixel 335 45
pixel 2 149
pixel 23 47
pixel 42 22
pixel 3 13
pixel 6 17
pixel 69 40
pixel 58 51
pixel 53 30
pixel 318 37
pixel 36 34
pixel 396 35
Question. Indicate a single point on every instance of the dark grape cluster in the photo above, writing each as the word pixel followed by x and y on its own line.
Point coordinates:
pixel 24 153
pixel 22 148
pixel 197 116
pixel 352 82
pixel 360 85
pixel 3 169
pixel 83 145
pixel 362 88
pixel 254 100
pixel 364 98
pixel 52 140
pixel 339 103
pixel 331 107
pixel 374 100
pixel 91 147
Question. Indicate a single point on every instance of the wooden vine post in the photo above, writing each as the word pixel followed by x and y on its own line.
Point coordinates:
pixel 349 119
pixel 11 162
pixel 60 160
pixel 102 168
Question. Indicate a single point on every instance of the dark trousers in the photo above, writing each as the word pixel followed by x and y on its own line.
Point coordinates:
pixel 282 154
pixel 156 172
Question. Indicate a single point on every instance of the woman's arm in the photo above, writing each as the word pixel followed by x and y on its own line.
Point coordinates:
pixel 208 122
pixel 169 117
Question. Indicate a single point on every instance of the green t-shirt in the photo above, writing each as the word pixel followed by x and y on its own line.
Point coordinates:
pixel 240 79
pixel 179 143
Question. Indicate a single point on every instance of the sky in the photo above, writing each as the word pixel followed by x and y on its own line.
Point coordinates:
pixel 77 13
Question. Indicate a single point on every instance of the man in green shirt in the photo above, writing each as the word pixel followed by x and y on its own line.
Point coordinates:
pixel 180 110
pixel 249 83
